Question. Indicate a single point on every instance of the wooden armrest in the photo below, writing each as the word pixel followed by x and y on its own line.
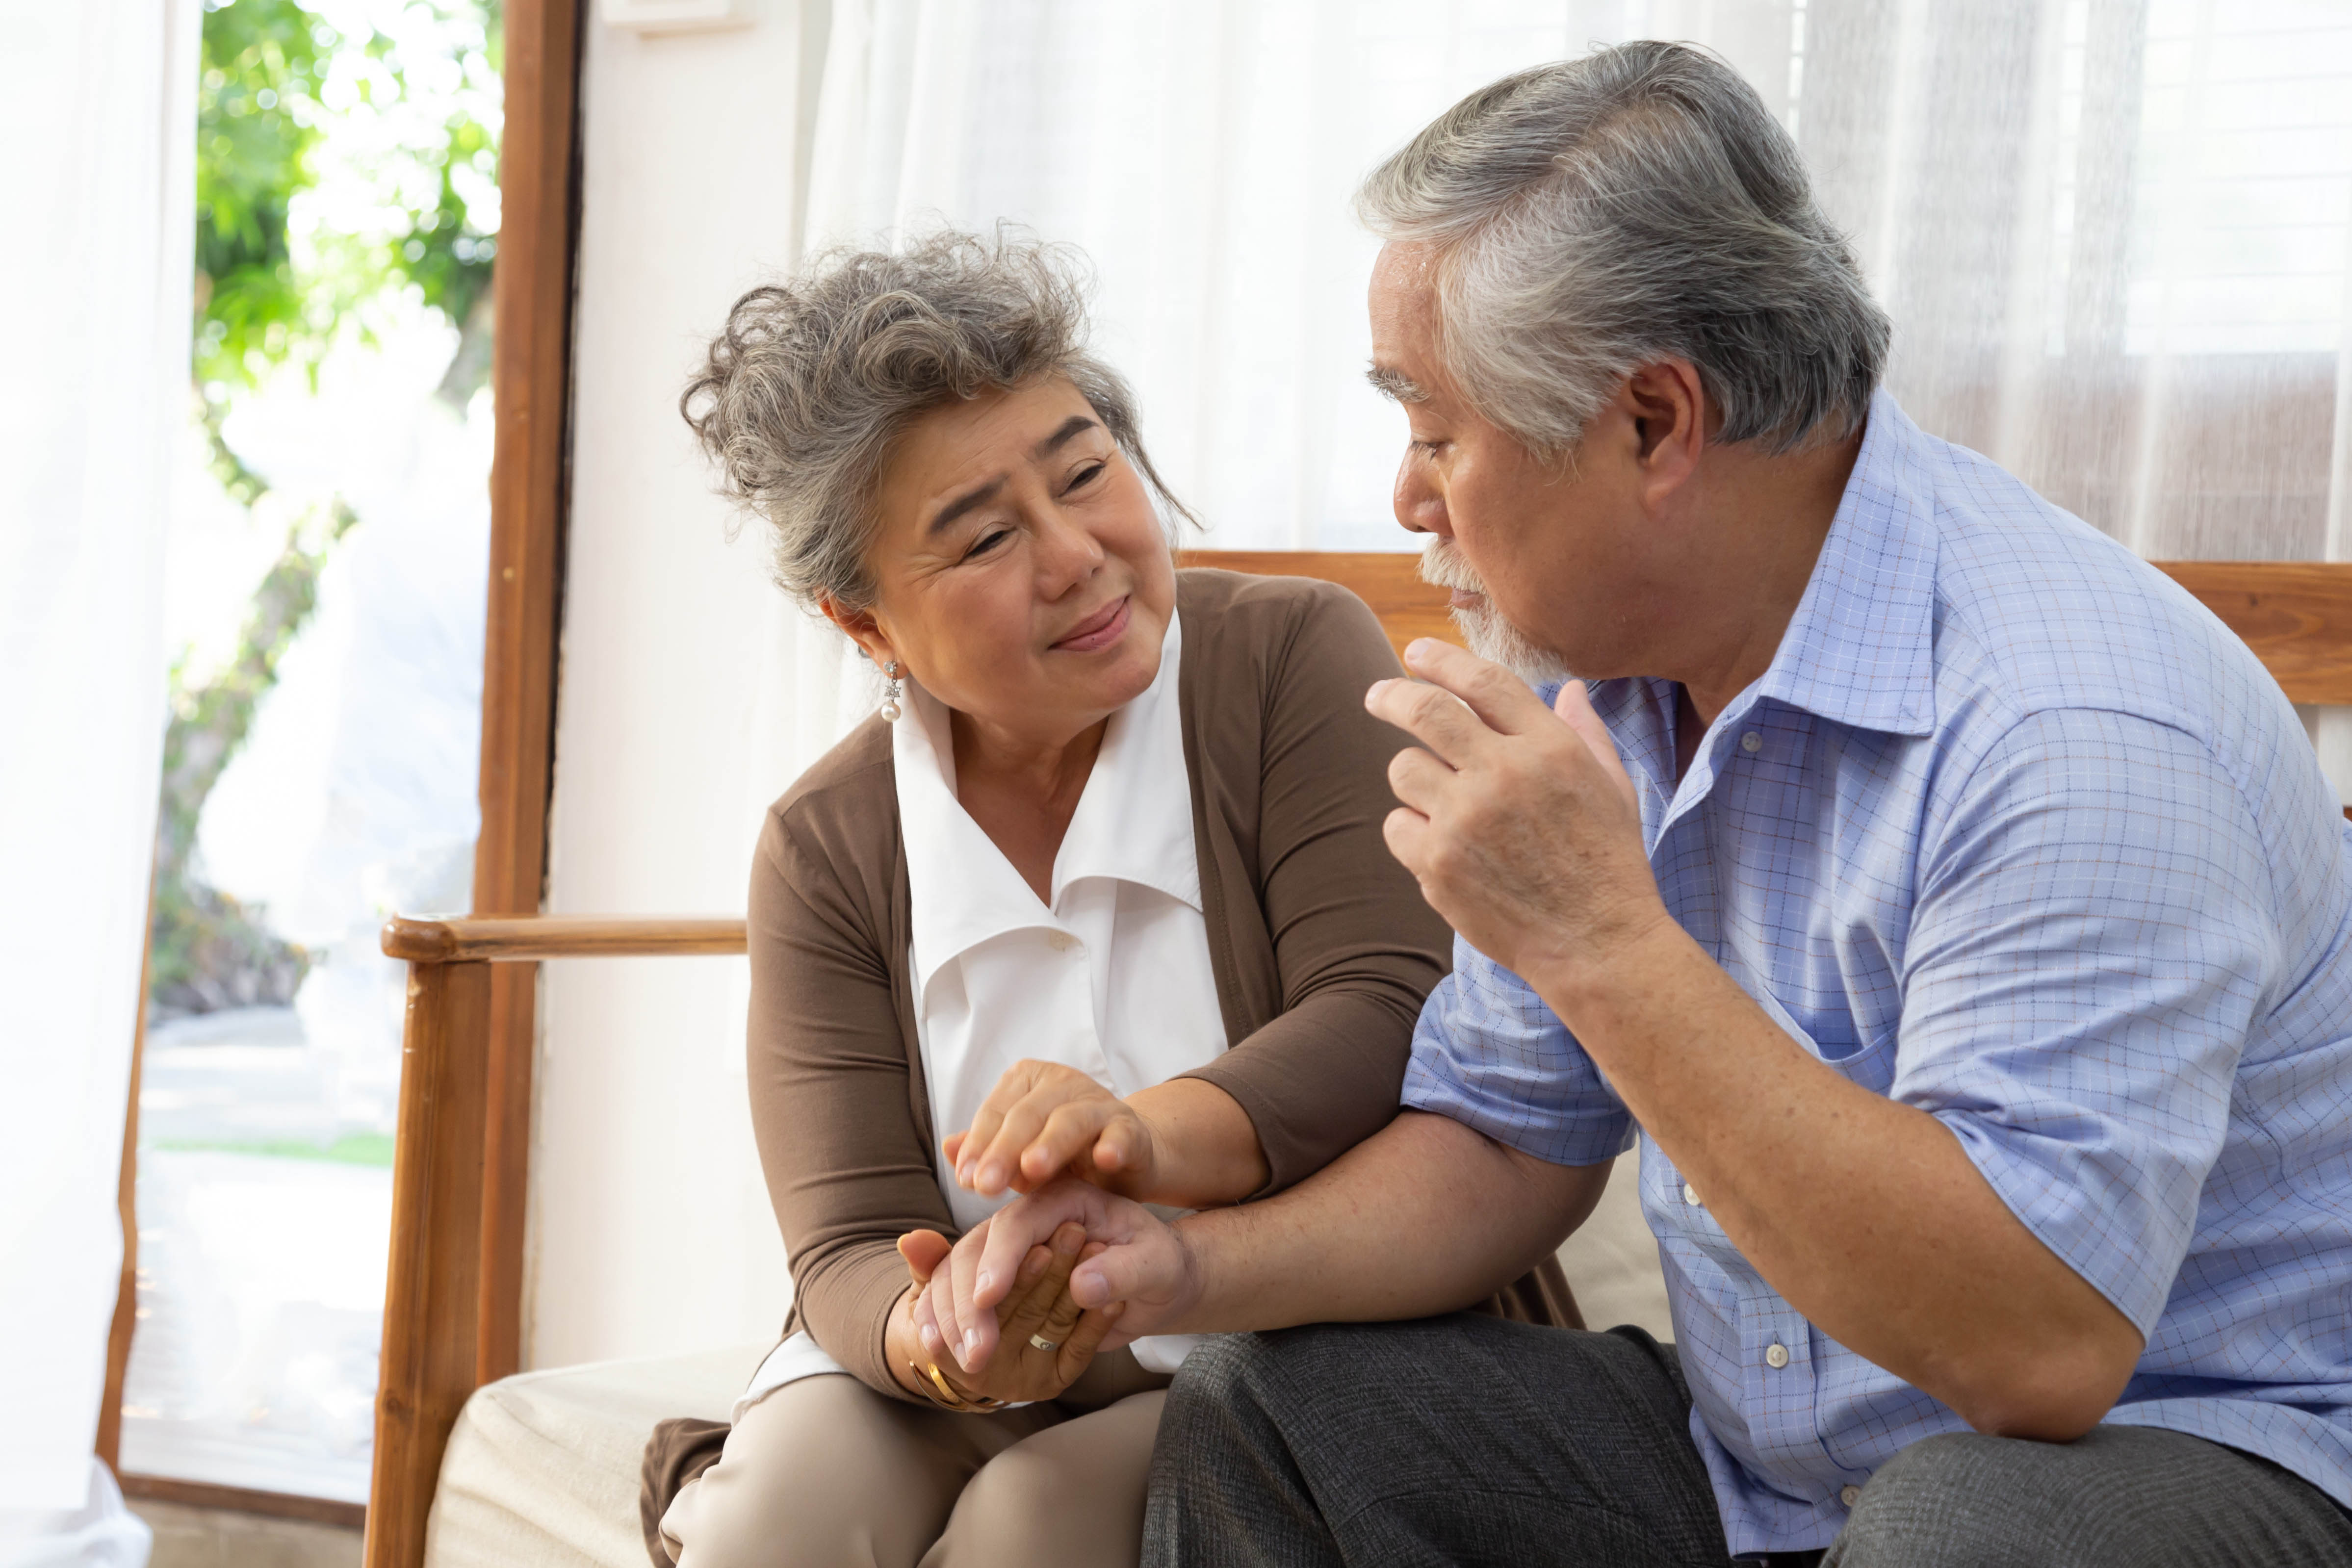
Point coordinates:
pixel 447 1325
pixel 505 939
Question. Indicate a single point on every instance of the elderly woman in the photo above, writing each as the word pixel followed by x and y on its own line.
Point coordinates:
pixel 1100 889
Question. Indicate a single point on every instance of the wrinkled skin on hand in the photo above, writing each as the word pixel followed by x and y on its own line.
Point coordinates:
pixel 1133 1263
pixel 1520 821
pixel 1043 1120
pixel 1037 1302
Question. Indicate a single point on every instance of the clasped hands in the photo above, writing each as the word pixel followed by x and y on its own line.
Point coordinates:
pixel 1041 1121
pixel 1522 828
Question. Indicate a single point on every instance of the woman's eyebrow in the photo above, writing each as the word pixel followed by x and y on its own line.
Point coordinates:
pixel 964 503
pixel 1077 424
pixel 1071 426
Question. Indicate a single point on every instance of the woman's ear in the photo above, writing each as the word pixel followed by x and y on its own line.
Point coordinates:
pixel 861 628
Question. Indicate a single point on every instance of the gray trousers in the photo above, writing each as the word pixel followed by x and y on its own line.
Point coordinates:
pixel 1469 1440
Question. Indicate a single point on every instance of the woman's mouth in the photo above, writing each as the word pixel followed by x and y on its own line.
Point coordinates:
pixel 1100 630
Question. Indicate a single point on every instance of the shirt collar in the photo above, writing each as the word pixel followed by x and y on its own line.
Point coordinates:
pixel 1860 650
pixel 1133 823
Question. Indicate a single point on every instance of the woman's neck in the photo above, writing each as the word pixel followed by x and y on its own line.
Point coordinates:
pixel 1022 790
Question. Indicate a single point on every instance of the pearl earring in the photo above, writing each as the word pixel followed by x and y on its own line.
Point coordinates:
pixel 890 694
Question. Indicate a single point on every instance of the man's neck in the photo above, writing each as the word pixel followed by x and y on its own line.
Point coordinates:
pixel 1783 506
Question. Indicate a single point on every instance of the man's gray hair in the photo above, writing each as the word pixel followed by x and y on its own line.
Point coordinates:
pixel 815 378
pixel 1596 215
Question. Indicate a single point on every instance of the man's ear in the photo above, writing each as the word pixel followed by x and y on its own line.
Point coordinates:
pixel 861 628
pixel 1668 405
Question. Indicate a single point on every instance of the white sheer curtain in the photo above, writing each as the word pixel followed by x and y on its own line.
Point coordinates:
pixel 100 118
pixel 2112 233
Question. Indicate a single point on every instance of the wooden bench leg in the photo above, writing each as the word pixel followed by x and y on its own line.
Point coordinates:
pixel 432 1291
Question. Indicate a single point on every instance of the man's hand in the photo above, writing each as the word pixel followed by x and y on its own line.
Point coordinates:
pixel 1044 1119
pixel 1520 821
pixel 1135 1265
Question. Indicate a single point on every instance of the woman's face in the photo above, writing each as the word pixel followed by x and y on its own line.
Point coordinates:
pixel 1022 575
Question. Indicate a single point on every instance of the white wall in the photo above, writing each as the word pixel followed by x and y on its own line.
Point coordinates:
pixel 650 1230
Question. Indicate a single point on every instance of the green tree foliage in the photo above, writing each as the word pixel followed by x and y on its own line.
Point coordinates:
pixel 276 73
pixel 262 107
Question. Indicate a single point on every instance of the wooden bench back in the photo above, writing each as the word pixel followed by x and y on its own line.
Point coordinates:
pixel 2295 615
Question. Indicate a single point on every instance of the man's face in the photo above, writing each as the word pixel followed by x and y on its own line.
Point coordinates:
pixel 1554 551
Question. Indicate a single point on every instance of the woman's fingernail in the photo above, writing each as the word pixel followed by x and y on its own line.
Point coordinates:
pixel 992 1174
pixel 931 1341
pixel 979 1285
pixel 970 1344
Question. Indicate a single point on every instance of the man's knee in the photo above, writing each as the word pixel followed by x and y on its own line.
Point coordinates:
pixel 1248 1373
pixel 1950 1501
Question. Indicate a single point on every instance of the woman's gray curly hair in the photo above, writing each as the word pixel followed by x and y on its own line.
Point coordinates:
pixel 815 378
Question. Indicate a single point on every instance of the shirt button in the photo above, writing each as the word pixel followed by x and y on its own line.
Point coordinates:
pixel 1776 1356
pixel 1751 743
pixel 1690 1195
pixel 1062 941
pixel 1850 1496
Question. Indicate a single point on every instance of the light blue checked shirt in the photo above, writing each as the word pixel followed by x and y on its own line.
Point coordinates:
pixel 2014 832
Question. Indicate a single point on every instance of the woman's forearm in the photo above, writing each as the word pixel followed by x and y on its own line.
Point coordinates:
pixel 1205 1148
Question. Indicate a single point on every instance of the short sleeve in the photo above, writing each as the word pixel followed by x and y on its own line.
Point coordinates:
pixel 1489 1054
pixel 2094 935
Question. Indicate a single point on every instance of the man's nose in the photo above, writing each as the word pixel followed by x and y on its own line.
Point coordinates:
pixel 1420 505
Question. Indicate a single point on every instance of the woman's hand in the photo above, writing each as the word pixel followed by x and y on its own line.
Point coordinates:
pixel 1039 1307
pixel 1045 1120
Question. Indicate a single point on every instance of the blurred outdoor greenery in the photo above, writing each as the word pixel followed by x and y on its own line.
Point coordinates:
pixel 346 152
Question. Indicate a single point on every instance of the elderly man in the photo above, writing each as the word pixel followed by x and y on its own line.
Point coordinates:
pixel 1952 909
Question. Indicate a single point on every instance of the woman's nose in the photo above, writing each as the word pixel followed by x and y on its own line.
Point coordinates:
pixel 1069 553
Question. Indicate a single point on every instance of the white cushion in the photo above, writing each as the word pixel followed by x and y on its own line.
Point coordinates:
pixel 541 1469
pixel 1611 1261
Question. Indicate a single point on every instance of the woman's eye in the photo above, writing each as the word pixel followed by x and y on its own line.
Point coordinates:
pixel 1085 476
pixel 987 542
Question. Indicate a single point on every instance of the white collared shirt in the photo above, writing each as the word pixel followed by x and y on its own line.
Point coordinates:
pixel 1113 979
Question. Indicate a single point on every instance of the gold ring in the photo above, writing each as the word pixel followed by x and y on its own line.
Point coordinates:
pixel 1041 1343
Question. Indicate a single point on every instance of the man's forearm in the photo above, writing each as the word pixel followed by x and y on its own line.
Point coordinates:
pixel 1424 1217
pixel 1866 1214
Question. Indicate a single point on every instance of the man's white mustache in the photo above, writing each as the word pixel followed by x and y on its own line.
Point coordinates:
pixel 1483 628
pixel 1442 566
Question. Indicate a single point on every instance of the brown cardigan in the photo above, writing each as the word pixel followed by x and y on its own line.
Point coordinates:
pixel 1321 944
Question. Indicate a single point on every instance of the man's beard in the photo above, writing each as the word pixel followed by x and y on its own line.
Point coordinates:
pixel 1490 636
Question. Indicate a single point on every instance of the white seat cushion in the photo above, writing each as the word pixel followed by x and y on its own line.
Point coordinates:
pixel 541 1469
pixel 1611 1261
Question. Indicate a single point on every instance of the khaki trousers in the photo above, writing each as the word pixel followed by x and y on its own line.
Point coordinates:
pixel 827 1473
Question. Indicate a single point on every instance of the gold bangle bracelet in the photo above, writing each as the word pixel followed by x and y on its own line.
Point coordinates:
pixel 930 1377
